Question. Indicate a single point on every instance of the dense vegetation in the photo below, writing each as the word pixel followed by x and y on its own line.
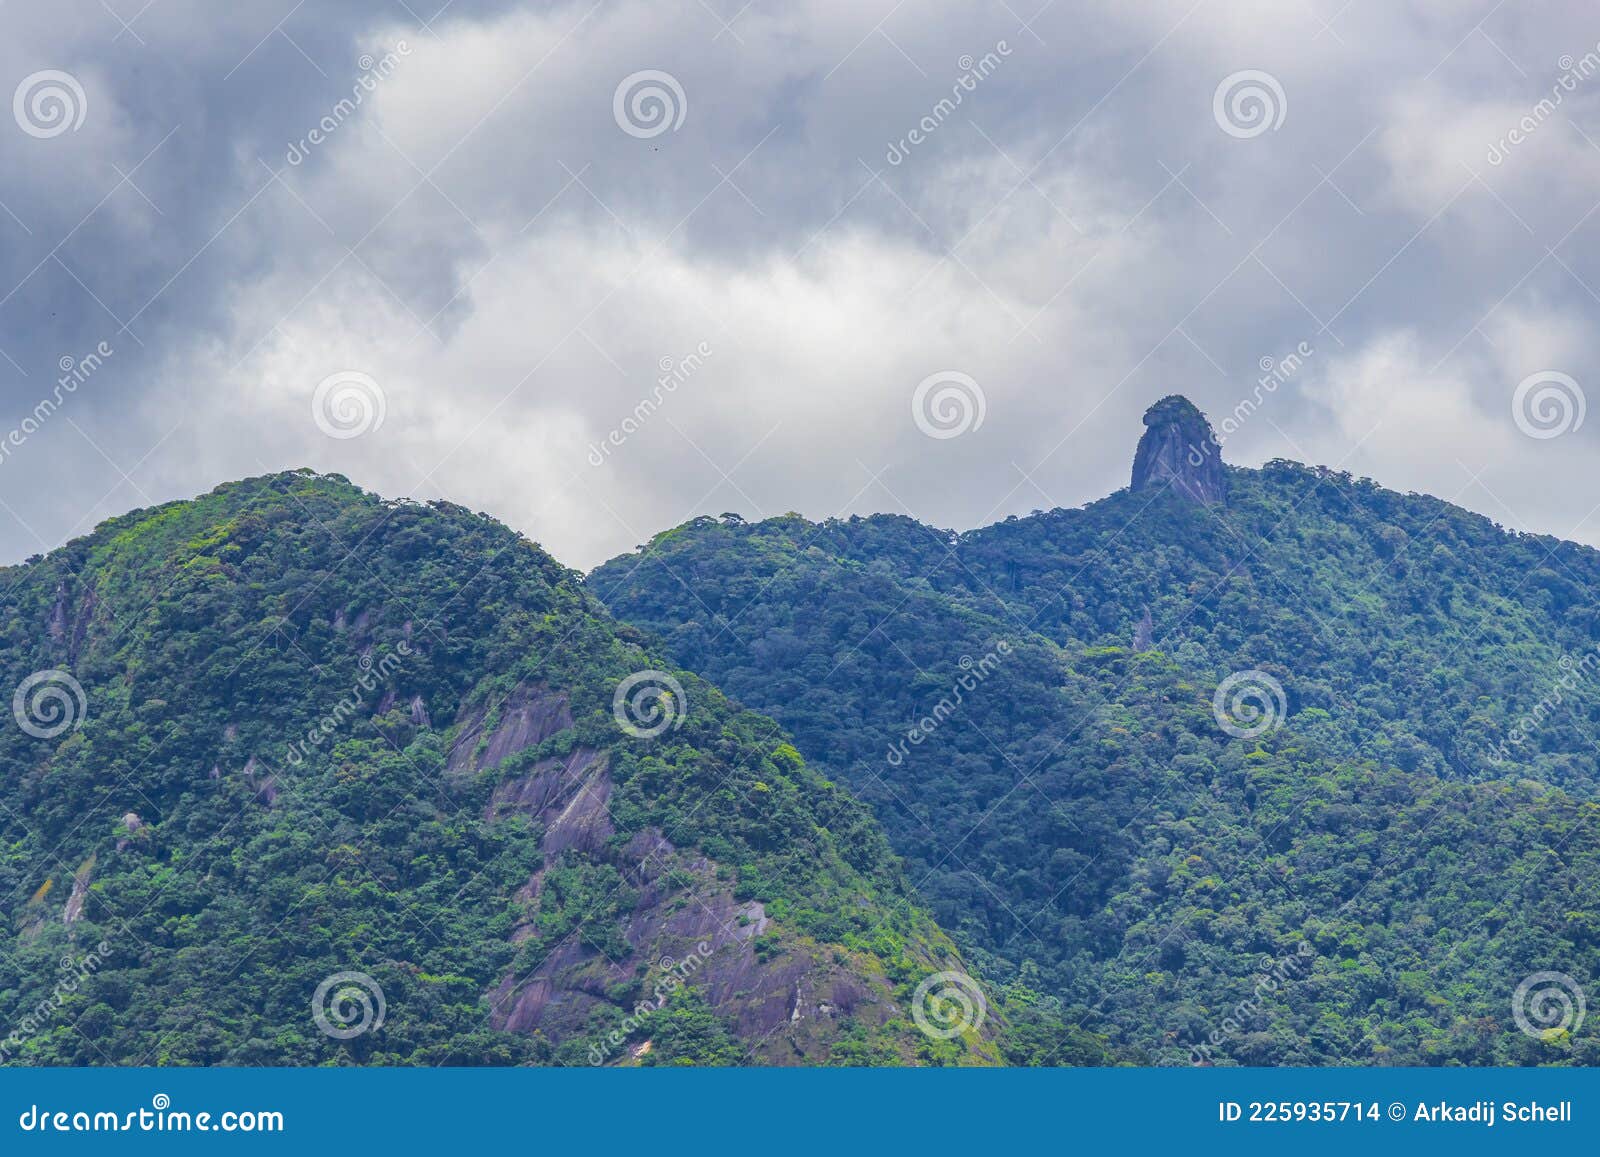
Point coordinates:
pixel 1029 710
pixel 281 770
pixel 264 787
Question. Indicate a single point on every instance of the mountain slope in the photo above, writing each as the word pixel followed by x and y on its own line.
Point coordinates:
pixel 1032 711
pixel 291 762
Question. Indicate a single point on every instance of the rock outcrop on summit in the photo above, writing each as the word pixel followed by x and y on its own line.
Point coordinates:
pixel 1178 450
pixel 1302 728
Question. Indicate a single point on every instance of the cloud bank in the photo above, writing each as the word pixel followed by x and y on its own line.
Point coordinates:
pixel 599 268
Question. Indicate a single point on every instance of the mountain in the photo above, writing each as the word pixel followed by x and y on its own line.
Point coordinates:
pixel 1264 766
pixel 1178 451
pixel 301 776
pixel 1234 766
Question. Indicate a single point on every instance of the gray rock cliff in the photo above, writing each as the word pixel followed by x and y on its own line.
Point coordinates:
pixel 1178 450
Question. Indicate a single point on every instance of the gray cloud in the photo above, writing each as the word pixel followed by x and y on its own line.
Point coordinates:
pixel 857 198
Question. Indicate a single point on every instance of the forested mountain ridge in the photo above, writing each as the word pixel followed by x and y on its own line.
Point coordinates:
pixel 1234 766
pixel 302 776
pixel 1052 719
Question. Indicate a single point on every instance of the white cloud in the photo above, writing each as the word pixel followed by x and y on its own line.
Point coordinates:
pixel 1080 237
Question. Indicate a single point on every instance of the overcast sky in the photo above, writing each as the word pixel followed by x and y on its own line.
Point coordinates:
pixel 468 278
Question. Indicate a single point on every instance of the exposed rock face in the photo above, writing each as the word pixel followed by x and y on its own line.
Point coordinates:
pixel 68 625
pixel 80 891
pixel 58 613
pixel 568 796
pixel 528 717
pixel 265 786
pixel 1178 450
pixel 133 825
pixel 686 922
pixel 1144 633
pixel 685 925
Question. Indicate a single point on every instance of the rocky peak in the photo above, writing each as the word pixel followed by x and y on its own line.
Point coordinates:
pixel 1178 450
